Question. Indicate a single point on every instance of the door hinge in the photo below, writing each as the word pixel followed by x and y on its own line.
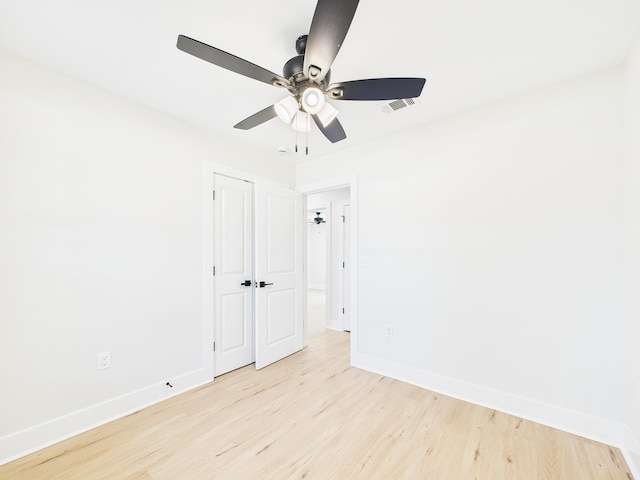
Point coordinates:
pixel 214 346
pixel 342 264
pixel 214 271
pixel 343 311
pixel 214 194
pixel 343 218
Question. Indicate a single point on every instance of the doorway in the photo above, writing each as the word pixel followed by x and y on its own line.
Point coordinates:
pixel 210 169
pixel 328 260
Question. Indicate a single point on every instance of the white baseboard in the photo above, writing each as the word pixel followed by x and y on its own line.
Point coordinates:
pixel 633 461
pixel 29 440
pixel 631 451
pixel 594 428
pixel 335 328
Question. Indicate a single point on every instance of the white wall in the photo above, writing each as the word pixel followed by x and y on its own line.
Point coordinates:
pixel 100 250
pixel 495 243
pixel 632 262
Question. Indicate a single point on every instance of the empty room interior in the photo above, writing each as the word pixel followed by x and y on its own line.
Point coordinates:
pixel 413 251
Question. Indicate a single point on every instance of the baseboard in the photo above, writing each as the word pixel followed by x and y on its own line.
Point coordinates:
pixel 334 327
pixel 594 428
pixel 633 462
pixel 631 451
pixel 24 442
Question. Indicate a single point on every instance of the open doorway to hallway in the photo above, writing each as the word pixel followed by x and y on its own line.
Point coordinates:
pixel 328 265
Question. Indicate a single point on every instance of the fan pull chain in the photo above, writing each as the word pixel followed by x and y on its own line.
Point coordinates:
pixel 306 141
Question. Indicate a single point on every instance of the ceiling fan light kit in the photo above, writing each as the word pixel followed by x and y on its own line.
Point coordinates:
pixel 327 114
pixel 307 75
pixel 286 109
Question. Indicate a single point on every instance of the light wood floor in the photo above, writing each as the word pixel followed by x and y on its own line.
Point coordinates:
pixel 312 416
pixel 316 310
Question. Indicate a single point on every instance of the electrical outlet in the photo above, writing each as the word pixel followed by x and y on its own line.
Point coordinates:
pixel 365 261
pixel 104 360
pixel 388 331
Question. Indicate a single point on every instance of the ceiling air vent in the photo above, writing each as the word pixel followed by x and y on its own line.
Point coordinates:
pixel 398 104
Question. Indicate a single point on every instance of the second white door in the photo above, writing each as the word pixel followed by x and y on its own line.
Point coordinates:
pixel 279 299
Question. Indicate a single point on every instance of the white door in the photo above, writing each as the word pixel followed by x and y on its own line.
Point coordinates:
pixel 233 281
pixel 346 277
pixel 279 297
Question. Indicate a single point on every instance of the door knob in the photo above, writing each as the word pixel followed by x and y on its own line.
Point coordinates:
pixel 246 283
pixel 263 284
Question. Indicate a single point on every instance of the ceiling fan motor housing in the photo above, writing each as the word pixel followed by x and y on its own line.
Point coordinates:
pixel 293 71
pixel 293 67
pixel 301 44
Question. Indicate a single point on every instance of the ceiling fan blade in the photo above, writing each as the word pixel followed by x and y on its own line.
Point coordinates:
pixel 334 131
pixel 329 27
pixel 257 118
pixel 377 89
pixel 230 62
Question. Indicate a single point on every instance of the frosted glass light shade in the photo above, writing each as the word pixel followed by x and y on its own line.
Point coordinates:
pixel 327 114
pixel 286 109
pixel 302 121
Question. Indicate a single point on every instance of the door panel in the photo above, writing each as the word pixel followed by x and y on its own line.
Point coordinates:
pixel 233 237
pixel 233 335
pixel 279 234
pixel 281 304
pixel 281 222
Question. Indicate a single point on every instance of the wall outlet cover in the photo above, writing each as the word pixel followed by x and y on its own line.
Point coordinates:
pixel 104 360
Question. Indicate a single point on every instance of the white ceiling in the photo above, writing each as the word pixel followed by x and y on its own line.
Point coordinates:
pixel 470 52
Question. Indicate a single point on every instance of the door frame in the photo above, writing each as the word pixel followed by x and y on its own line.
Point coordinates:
pixel 350 181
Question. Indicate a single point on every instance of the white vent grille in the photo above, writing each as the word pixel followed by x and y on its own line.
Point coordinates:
pixel 398 105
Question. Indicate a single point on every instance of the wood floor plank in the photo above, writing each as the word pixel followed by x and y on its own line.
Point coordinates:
pixel 312 416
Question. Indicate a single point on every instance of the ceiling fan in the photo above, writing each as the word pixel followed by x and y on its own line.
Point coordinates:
pixel 306 76
pixel 317 219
